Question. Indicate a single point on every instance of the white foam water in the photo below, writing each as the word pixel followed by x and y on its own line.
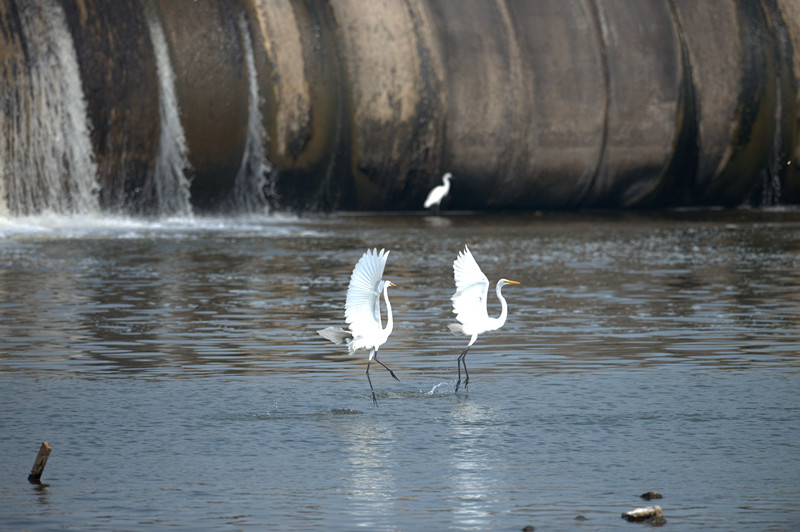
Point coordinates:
pixel 46 157
pixel 56 226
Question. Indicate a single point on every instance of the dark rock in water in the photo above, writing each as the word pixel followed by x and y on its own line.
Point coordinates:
pixel 650 495
pixel 581 518
pixel 528 528
pixel 652 515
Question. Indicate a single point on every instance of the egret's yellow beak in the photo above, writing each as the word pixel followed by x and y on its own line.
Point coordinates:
pixel 392 284
pixel 512 282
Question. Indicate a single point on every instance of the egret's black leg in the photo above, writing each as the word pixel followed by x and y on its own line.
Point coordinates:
pixel 374 399
pixel 458 365
pixel 466 380
pixel 461 359
pixel 387 369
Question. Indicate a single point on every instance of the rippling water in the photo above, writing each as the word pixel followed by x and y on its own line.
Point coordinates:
pixel 174 368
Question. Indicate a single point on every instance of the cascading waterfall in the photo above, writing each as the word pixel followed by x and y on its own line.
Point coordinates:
pixel 254 185
pixel 46 157
pixel 3 205
pixel 166 191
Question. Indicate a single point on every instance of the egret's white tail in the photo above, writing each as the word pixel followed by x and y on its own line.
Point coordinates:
pixel 337 335
pixel 456 328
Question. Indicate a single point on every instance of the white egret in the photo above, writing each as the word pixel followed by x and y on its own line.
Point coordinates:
pixel 469 305
pixel 362 311
pixel 437 194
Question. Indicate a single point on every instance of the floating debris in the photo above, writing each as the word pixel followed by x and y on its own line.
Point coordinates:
pixel 650 495
pixel 650 514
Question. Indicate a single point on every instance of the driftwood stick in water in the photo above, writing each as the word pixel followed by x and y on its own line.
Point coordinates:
pixel 41 461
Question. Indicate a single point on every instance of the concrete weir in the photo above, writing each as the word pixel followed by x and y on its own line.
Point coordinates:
pixel 120 85
pixel 553 104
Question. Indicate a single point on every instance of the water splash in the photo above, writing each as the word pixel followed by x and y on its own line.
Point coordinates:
pixel 166 192
pixel 436 388
pixel 46 156
pixel 254 186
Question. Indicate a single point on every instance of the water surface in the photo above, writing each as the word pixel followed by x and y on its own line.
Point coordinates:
pixel 175 369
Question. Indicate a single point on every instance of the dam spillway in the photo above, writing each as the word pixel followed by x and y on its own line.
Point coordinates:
pixel 161 107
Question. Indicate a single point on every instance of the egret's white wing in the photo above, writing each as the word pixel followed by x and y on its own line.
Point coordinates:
pixel 362 307
pixel 472 286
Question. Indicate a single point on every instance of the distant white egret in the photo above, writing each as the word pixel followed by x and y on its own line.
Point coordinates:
pixel 437 194
pixel 362 311
pixel 469 305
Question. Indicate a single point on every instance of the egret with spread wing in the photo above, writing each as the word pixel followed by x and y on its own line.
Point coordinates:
pixel 437 194
pixel 362 311
pixel 469 305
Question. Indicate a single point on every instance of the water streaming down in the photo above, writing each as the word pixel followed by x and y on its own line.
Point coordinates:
pixel 771 173
pixel 46 158
pixel 3 204
pixel 254 185
pixel 167 190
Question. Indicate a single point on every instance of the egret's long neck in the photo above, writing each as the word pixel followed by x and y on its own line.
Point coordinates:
pixel 446 185
pixel 389 318
pixel 501 320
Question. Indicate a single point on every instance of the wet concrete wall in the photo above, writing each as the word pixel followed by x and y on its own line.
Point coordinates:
pixel 118 75
pixel 551 104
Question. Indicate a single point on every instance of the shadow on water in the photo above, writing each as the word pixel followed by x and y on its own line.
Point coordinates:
pixel 641 352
